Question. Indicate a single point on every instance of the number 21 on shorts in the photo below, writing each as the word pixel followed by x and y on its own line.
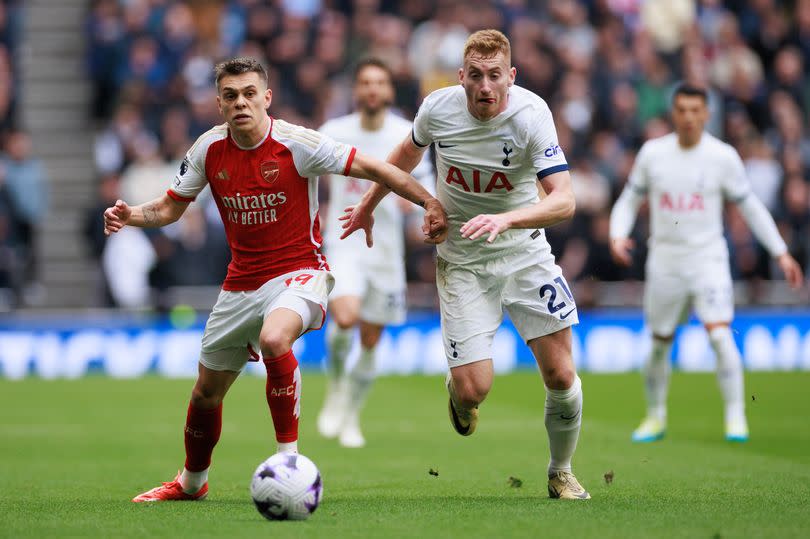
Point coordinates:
pixel 549 291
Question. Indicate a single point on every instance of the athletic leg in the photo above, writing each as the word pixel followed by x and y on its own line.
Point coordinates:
pixel 345 311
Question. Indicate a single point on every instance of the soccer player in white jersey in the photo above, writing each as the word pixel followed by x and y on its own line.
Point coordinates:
pixel 687 176
pixel 496 144
pixel 370 285
pixel 263 173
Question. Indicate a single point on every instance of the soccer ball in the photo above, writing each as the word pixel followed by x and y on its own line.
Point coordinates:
pixel 287 486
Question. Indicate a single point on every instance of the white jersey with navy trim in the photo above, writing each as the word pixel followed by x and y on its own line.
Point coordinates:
pixel 488 166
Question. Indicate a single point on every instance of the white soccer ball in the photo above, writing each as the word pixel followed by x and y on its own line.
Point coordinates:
pixel 287 486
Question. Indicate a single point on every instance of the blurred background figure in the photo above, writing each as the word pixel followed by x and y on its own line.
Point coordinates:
pixel 26 189
pixel 370 285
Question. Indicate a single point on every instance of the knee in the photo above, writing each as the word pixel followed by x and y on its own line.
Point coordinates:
pixel 275 343
pixel 471 392
pixel 205 398
pixel 344 318
pixel 560 376
pixel 369 337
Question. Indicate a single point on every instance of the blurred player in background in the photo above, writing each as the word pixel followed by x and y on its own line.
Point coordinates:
pixel 497 150
pixel 686 176
pixel 369 282
pixel 263 175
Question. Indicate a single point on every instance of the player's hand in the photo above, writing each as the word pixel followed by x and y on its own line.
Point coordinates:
pixel 356 218
pixel 116 217
pixel 484 224
pixel 435 226
pixel 621 249
pixel 792 270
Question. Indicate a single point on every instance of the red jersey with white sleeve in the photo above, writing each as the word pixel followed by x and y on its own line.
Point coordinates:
pixel 267 196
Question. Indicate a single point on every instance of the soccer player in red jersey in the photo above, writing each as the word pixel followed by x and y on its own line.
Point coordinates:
pixel 263 175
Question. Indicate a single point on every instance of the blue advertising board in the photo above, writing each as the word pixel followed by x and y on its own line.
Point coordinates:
pixel 604 341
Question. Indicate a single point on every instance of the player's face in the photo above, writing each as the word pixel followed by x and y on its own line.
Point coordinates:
pixel 486 81
pixel 243 101
pixel 373 90
pixel 689 116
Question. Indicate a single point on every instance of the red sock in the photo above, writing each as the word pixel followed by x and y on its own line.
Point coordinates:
pixel 284 395
pixel 203 428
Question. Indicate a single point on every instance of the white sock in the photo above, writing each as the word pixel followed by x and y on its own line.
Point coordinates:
pixel 656 378
pixel 360 379
pixel 729 372
pixel 563 421
pixel 339 342
pixel 192 482
pixel 288 447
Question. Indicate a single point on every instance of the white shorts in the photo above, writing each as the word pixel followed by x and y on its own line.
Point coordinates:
pixel 381 286
pixel 231 336
pixel 472 297
pixel 671 289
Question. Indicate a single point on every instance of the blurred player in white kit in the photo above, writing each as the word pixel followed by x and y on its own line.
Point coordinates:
pixel 687 176
pixel 497 152
pixel 369 282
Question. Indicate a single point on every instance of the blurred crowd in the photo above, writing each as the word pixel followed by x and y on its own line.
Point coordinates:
pixel 606 68
pixel 23 185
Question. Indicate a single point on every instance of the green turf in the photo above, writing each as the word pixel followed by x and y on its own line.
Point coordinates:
pixel 73 453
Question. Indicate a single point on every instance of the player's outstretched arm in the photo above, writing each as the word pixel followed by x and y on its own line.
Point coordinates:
pixel 622 218
pixel 761 223
pixel 155 213
pixel 405 156
pixel 404 185
pixel 558 205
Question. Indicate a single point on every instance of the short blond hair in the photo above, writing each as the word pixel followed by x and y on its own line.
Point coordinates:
pixel 488 43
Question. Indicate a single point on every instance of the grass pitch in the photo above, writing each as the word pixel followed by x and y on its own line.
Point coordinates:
pixel 73 453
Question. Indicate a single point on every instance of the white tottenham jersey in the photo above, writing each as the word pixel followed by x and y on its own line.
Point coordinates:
pixel 347 191
pixel 486 167
pixel 686 189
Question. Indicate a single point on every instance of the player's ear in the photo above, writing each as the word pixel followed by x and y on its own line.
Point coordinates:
pixel 219 103
pixel 512 75
pixel 461 75
pixel 268 98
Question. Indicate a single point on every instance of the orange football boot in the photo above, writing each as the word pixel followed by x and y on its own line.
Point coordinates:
pixel 171 491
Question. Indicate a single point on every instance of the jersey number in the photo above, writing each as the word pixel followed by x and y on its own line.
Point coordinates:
pixel 552 291
pixel 301 279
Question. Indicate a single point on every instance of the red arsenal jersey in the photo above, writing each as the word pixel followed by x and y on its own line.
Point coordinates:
pixel 267 196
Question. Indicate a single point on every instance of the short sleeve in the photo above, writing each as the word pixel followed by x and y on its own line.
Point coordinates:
pixel 546 154
pixel 735 184
pixel 421 128
pixel 314 153
pixel 639 178
pixel 190 178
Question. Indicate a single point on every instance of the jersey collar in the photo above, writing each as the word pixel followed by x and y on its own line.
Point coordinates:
pixel 264 138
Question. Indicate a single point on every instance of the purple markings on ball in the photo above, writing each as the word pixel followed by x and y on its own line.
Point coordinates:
pixel 317 489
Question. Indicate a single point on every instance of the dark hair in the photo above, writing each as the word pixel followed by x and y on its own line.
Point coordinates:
pixel 238 66
pixel 691 91
pixel 372 61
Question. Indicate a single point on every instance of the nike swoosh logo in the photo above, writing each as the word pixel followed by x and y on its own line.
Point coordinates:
pixel 447 145
pixel 562 416
pixel 564 316
pixel 461 429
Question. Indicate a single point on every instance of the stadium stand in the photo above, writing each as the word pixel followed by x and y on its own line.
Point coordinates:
pixel 606 68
